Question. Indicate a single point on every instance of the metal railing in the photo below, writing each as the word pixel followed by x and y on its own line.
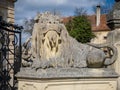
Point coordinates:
pixel 10 54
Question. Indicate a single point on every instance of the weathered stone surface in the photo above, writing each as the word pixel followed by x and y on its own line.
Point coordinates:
pixel 67 79
pixel 51 46
pixel 56 61
pixel 113 18
pixel 69 84
pixel 113 36
pixel 67 73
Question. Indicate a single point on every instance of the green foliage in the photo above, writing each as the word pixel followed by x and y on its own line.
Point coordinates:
pixel 80 29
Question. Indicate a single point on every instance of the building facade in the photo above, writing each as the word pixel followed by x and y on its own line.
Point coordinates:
pixel 101 30
pixel 7 10
pixel 98 25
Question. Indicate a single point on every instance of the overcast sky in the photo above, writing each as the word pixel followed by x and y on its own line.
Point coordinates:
pixel 28 8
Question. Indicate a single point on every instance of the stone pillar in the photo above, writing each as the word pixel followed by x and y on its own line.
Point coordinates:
pixel 113 21
pixel 7 14
pixel 7 10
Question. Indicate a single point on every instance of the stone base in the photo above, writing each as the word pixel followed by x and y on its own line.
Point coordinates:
pixel 67 79
pixel 69 84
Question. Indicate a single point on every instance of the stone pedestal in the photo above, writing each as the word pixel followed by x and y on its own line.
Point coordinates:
pixel 68 79
pixel 117 63
pixel 60 62
pixel 113 21
pixel 69 84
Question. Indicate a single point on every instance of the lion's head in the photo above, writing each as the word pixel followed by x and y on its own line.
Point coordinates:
pixel 46 37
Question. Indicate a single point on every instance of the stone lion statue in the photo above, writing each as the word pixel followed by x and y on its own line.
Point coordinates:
pixel 52 47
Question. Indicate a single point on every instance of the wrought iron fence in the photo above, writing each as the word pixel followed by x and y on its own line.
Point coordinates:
pixel 10 54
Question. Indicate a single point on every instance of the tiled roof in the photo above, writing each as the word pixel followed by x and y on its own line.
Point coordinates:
pixel 66 19
pixel 92 18
pixel 103 23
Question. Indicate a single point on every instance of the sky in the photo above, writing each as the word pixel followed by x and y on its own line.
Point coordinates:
pixel 27 9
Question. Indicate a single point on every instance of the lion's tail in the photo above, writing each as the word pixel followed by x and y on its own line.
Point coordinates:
pixel 108 60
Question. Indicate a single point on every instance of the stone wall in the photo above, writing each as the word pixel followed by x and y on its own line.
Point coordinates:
pixel 7 10
pixel 69 84
pixel 7 13
pixel 100 37
pixel 113 21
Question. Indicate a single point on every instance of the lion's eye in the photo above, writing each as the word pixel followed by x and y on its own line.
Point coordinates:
pixel 59 41
pixel 37 20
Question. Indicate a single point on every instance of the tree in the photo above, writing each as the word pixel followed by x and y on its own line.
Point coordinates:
pixel 80 28
pixel 28 26
pixel 80 12
pixel 104 9
pixel 106 6
pixel 56 12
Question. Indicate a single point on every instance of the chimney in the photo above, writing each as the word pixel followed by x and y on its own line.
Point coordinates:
pixel 98 14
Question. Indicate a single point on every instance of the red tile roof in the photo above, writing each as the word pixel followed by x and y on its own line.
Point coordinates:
pixel 103 23
pixel 92 18
pixel 66 19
